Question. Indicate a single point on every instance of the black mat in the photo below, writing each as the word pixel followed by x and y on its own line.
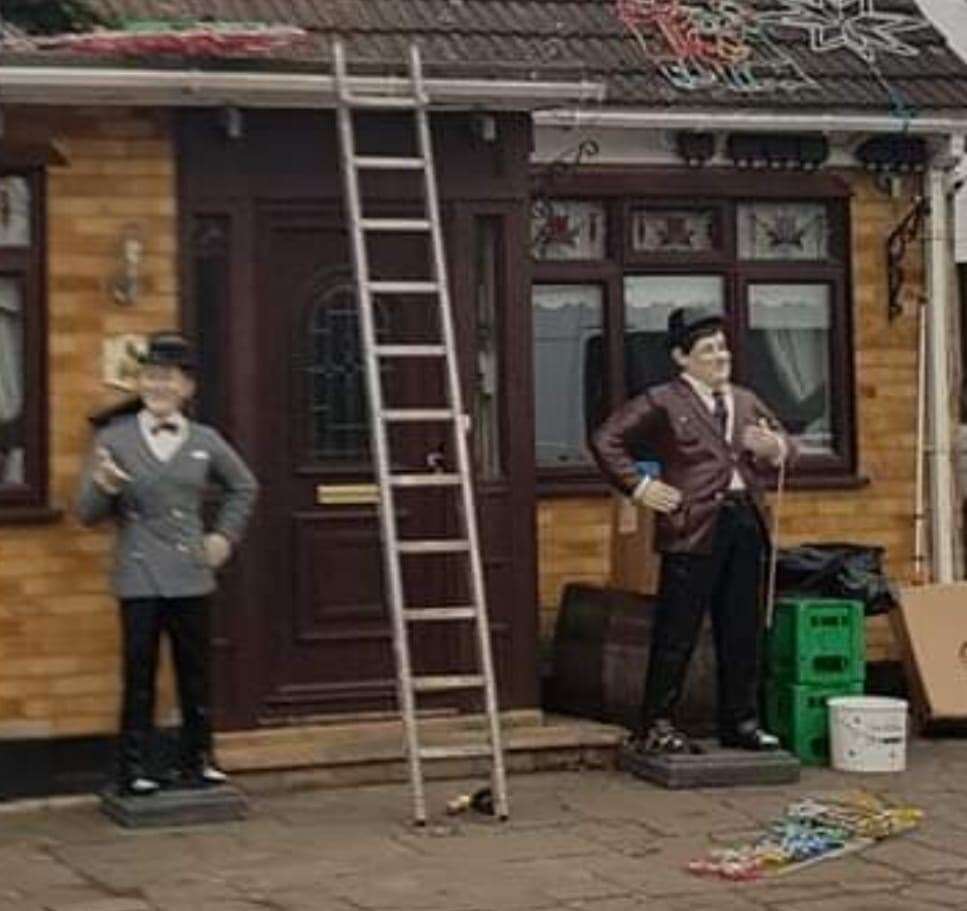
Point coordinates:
pixel 717 767
pixel 176 807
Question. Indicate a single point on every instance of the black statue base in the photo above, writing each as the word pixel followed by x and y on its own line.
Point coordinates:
pixel 717 767
pixel 174 807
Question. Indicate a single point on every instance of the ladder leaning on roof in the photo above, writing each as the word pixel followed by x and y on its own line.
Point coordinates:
pixel 376 353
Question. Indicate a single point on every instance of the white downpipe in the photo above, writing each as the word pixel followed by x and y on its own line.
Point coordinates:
pixel 101 85
pixel 938 249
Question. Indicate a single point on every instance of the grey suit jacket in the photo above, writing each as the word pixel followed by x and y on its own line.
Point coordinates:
pixel 159 550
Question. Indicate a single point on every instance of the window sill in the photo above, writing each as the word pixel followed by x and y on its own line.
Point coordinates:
pixel 30 515
pixel 592 486
pixel 825 482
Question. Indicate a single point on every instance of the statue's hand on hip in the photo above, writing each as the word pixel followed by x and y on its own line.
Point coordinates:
pixel 659 496
pixel 217 550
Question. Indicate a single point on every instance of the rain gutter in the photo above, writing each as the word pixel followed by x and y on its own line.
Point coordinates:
pixel 201 88
pixel 747 120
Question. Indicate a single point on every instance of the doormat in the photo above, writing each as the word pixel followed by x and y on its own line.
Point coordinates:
pixel 810 831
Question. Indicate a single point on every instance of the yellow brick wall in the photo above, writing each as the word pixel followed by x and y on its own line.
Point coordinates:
pixel 574 534
pixel 58 624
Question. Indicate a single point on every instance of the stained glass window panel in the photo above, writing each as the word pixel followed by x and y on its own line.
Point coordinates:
pixel 787 231
pixel 567 229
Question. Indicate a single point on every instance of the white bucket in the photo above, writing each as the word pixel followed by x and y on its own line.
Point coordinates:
pixel 868 733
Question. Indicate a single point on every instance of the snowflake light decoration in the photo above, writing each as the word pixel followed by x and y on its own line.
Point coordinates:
pixel 853 25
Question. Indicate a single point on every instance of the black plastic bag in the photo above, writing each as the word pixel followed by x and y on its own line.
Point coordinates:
pixel 852 572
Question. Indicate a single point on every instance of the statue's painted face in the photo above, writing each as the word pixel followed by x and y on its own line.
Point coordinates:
pixel 709 360
pixel 164 389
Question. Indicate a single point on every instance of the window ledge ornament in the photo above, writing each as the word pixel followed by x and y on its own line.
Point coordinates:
pixel 896 250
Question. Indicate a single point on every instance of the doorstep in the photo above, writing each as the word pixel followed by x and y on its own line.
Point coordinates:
pixel 371 752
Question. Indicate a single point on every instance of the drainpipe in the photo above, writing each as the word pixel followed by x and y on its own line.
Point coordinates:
pixel 939 327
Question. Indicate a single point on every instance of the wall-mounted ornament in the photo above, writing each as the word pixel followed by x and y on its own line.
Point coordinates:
pixel 896 250
pixel 125 284
pixel 120 356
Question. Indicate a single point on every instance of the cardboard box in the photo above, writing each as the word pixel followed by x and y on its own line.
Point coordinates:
pixel 634 563
pixel 931 627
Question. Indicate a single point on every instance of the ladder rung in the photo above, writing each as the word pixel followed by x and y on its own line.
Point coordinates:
pixel 437 683
pixel 420 614
pixel 461 751
pixel 434 546
pixel 381 101
pixel 426 479
pixel 395 224
pixel 417 414
pixel 404 287
pixel 386 163
pixel 410 350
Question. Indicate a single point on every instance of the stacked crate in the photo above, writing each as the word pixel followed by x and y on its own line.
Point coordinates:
pixel 815 650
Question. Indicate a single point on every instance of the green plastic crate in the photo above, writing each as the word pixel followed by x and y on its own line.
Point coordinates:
pixel 817 641
pixel 798 715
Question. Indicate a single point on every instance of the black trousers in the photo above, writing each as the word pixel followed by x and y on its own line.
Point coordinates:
pixel 187 622
pixel 728 583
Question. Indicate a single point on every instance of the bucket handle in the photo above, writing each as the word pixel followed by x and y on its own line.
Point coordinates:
pixel 873 738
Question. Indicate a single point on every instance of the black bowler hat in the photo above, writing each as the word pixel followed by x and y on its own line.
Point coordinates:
pixel 169 349
pixel 685 323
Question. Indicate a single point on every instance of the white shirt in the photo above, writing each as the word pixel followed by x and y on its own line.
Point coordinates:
pixel 163 444
pixel 706 394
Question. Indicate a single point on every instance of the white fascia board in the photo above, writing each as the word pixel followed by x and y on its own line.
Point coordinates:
pixel 748 120
pixel 200 88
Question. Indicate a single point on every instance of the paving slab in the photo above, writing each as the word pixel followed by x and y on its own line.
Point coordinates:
pixel 576 841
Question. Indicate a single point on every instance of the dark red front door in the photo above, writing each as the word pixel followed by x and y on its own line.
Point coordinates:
pixel 302 626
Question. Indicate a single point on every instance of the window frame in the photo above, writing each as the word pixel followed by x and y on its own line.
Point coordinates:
pixel 622 191
pixel 27 265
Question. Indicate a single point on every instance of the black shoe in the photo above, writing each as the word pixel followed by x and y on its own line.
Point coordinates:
pixel 663 738
pixel 750 736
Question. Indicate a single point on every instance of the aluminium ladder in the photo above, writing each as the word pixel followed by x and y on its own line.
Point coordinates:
pixel 375 353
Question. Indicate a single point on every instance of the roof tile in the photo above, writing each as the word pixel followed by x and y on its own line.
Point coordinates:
pixel 574 38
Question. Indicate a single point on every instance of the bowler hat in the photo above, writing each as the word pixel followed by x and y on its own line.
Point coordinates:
pixel 685 322
pixel 168 349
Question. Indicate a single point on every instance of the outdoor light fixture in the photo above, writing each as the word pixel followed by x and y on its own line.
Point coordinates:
pixel 777 151
pixel 695 148
pixel 125 285
pixel 232 122
pixel 893 154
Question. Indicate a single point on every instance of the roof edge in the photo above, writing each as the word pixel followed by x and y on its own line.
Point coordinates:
pixel 698 119
pixel 198 88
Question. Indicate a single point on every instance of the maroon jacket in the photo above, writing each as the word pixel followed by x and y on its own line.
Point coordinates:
pixel 677 426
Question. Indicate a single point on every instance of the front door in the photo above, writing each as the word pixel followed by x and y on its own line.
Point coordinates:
pixel 326 636
pixel 302 629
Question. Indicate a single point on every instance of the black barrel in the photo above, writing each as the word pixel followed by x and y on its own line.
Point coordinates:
pixel 600 657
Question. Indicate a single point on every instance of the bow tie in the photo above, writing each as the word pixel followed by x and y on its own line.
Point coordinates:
pixel 162 426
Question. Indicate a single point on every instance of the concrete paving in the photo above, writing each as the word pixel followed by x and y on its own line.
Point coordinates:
pixel 582 840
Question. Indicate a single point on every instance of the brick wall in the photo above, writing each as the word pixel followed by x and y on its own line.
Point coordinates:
pixel 574 534
pixel 58 624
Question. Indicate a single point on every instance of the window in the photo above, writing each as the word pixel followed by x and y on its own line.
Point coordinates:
pixel 23 416
pixel 773 260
